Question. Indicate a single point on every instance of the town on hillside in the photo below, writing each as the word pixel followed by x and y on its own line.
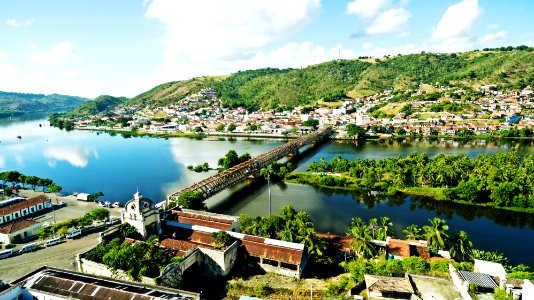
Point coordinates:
pixel 431 111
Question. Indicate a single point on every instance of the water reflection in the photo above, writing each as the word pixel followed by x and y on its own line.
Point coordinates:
pixel 75 155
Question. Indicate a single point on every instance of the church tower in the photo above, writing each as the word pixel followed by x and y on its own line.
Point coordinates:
pixel 141 214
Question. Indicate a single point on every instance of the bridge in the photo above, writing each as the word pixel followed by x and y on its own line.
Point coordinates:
pixel 220 181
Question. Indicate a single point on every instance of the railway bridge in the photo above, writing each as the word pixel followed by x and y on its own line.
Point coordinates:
pixel 220 181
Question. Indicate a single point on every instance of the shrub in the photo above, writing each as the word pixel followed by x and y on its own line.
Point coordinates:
pixel 440 265
pixel 263 289
pixel 414 264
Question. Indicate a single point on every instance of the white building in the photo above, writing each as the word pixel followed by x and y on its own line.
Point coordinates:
pixel 141 214
pixel 19 210
pixel 18 231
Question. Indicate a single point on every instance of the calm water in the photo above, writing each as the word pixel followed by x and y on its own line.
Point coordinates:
pixel 82 161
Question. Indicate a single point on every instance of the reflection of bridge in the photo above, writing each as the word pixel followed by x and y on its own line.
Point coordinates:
pixel 220 181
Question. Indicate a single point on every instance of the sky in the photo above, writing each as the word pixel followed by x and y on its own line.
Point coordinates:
pixel 125 47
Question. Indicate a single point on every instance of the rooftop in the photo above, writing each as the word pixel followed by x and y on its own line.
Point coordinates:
pixel 388 284
pixel 480 279
pixel 17 226
pixel 22 205
pixel 73 285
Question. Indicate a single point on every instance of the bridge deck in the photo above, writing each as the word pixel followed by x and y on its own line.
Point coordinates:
pixel 220 181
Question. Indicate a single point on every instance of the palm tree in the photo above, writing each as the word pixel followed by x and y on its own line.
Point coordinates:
pixel 362 245
pixel 461 245
pixel 267 172
pixel 412 232
pixel 436 233
pixel 386 228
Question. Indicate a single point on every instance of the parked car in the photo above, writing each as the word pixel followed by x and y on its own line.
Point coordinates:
pixel 116 204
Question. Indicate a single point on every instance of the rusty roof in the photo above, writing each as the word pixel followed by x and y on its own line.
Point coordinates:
pixel 186 239
pixel 75 285
pixel 337 242
pixel 17 226
pixel 201 219
pixel 402 248
pixel 22 205
pixel 254 247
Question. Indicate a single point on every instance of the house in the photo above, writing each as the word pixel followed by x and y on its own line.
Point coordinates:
pixel 493 269
pixel 18 231
pixel 52 283
pixel 383 287
pixel 15 211
pixel 82 197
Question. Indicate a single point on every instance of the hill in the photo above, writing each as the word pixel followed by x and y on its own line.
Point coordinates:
pixel 99 104
pixel 508 67
pixel 22 103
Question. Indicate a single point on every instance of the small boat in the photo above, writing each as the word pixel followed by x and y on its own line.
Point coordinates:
pixel 19 137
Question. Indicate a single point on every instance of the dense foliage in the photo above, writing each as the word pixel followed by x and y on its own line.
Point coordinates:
pixel 61 229
pixel 99 104
pixel 504 179
pixel 16 178
pixel 273 88
pixel 290 226
pixel 136 259
pixel 231 158
pixel 19 103
pixel 190 200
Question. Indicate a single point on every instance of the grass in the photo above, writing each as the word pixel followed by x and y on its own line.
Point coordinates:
pixel 393 108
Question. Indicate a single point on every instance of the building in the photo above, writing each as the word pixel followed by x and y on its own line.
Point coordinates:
pixel 18 231
pixel 52 283
pixel 141 214
pixel 383 287
pixel 399 249
pixel 14 211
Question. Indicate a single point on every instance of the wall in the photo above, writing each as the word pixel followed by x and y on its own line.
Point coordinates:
pixel 172 275
pixel 528 289
pixel 461 285
pixel 94 268
pixel 217 262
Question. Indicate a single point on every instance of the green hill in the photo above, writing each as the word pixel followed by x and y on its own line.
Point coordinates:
pixel 99 104
pixel 22 103
pixel 508 67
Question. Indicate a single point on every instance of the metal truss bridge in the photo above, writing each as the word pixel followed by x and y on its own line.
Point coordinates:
pixel 220 181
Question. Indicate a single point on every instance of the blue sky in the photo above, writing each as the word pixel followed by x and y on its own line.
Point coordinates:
pixel 122 48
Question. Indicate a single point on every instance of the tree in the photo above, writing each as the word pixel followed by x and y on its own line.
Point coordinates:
pixel 436 233
pixel 267 172
pixel 362 245
pixel 231 128
pixel 94 196
pixel 192 200
pixel 412 232
pixel 222 238
pixel 461 246
pixel 99 214
pixel 128 231
pixel 311 122
pixel 54 188
pixel 386 228
pixel 220 128
pixel 32 181
pixel 355 131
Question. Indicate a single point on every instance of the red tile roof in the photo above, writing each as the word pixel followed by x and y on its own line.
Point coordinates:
pixel 254 247
pixel 22 205
pixel 17 226
pixel 200 219
pixel 337 242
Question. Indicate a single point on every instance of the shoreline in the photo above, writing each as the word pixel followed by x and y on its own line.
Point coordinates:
pixel 383 137
pixel 433 194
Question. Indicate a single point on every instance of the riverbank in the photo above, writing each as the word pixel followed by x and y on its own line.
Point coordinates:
pixel 340 182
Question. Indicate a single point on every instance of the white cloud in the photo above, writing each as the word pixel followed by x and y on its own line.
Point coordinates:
pixel 2 53
pixel 201 38
pixel 14 23
pixel 457 20
pixel 61 52
pixel 2 162
pixel 529 43
pixel 490 37
pixel 366 8
pixel 76 156
pixel 391 20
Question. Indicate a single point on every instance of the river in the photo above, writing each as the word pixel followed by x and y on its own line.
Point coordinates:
pixel 86 161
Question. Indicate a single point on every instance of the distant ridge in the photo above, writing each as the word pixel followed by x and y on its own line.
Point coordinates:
pixel 509 67
pixel 23 103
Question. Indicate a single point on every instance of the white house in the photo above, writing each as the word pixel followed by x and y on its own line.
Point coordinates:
pixel 19 210
pixel 18 231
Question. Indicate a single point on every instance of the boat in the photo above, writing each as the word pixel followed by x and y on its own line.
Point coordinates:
pixel 19 137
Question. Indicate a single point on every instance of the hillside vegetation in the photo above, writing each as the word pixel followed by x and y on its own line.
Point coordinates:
pixel 99 104
pixel 20 103
pixel 508 67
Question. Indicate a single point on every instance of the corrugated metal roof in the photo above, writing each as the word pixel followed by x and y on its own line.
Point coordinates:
pixel 480 279
pixel 74 285
pixel 201 219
